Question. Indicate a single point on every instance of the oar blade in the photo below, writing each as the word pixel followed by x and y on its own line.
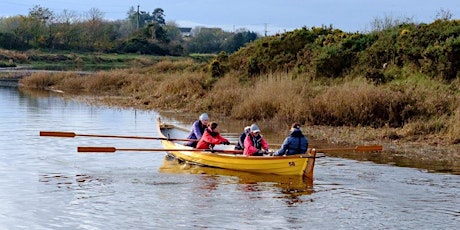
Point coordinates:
pixel 57 134
pixel 96 149
pixel 369 148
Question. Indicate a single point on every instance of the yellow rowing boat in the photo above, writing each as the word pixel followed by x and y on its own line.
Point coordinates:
pixel 227 158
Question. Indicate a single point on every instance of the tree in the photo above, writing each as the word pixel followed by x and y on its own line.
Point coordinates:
pixel 232 42
pixel 138 20
pixel 206 40
pixel 40 18
pixel 16 26
pixel 172 31
pixel 97 31
pixel 157 24
pixel 40 13
pixel 67 33
pixel 158 16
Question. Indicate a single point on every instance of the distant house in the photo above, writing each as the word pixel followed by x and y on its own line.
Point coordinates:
pixel 185 31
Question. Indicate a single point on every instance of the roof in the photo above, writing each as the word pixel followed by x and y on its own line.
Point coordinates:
pixel 185 29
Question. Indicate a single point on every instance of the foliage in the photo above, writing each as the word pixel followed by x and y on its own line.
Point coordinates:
pixel 141 46
pixel 432 49
pixel 11 42
pixel 138 33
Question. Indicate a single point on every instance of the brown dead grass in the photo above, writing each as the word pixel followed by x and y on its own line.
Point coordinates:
pixel 417 118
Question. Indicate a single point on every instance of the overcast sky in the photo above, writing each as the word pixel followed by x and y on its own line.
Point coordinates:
pixel 255 15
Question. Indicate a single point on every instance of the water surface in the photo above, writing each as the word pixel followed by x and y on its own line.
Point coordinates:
pixel 46 184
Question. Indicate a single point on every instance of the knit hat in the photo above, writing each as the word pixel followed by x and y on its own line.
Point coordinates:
pixel 295 126
pixel 255 128
pixel 204 116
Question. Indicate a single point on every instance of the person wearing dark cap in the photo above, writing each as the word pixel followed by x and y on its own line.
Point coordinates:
pixel 240 144
pixel 255 144
pixel 295 143
pixel 197 130
pixel 211 137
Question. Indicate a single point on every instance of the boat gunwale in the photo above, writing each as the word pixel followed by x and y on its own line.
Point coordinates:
pixel 231 155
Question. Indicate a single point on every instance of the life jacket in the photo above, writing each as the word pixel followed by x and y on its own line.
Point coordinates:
pixel 207 142
pixel 256 141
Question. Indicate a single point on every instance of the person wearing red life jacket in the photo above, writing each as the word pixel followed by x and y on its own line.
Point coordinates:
pixel 255 144
pixel 211 137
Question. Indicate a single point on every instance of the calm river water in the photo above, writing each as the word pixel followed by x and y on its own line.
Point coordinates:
pixel 46 184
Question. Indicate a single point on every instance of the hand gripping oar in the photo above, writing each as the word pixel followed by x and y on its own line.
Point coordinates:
pixel 113 149
pixel 71 134
pixel 362 148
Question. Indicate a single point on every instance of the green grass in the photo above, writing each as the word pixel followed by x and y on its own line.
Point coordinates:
pixel 64 60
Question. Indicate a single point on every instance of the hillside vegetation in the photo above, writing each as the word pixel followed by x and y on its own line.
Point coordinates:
pixel 404 80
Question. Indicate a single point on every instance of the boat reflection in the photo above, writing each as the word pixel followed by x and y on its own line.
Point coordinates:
pixel 291 187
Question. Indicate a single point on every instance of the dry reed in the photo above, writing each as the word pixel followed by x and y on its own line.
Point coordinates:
pixel 413 108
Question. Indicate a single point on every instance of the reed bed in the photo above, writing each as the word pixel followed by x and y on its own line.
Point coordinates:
pixel 416 108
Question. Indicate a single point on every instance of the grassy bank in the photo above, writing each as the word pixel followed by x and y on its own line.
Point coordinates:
pixel 60 60
pixel 416 116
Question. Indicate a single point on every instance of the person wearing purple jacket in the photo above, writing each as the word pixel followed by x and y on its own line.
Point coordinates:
pixel 198 128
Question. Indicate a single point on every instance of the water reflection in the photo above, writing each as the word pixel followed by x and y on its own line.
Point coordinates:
pixel 290 188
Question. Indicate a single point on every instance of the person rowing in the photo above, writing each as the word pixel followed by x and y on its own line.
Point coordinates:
pixel 211 137
pixel 255 144
pixel 295 143
pixel 197 130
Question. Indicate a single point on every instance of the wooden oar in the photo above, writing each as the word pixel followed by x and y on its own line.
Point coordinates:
pixel 71 134
pixel 357 148
pixel 113 149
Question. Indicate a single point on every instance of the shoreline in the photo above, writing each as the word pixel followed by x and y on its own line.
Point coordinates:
pixel 434 156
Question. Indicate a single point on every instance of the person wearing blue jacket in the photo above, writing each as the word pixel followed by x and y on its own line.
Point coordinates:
pixel 197 130
pixel 295 143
